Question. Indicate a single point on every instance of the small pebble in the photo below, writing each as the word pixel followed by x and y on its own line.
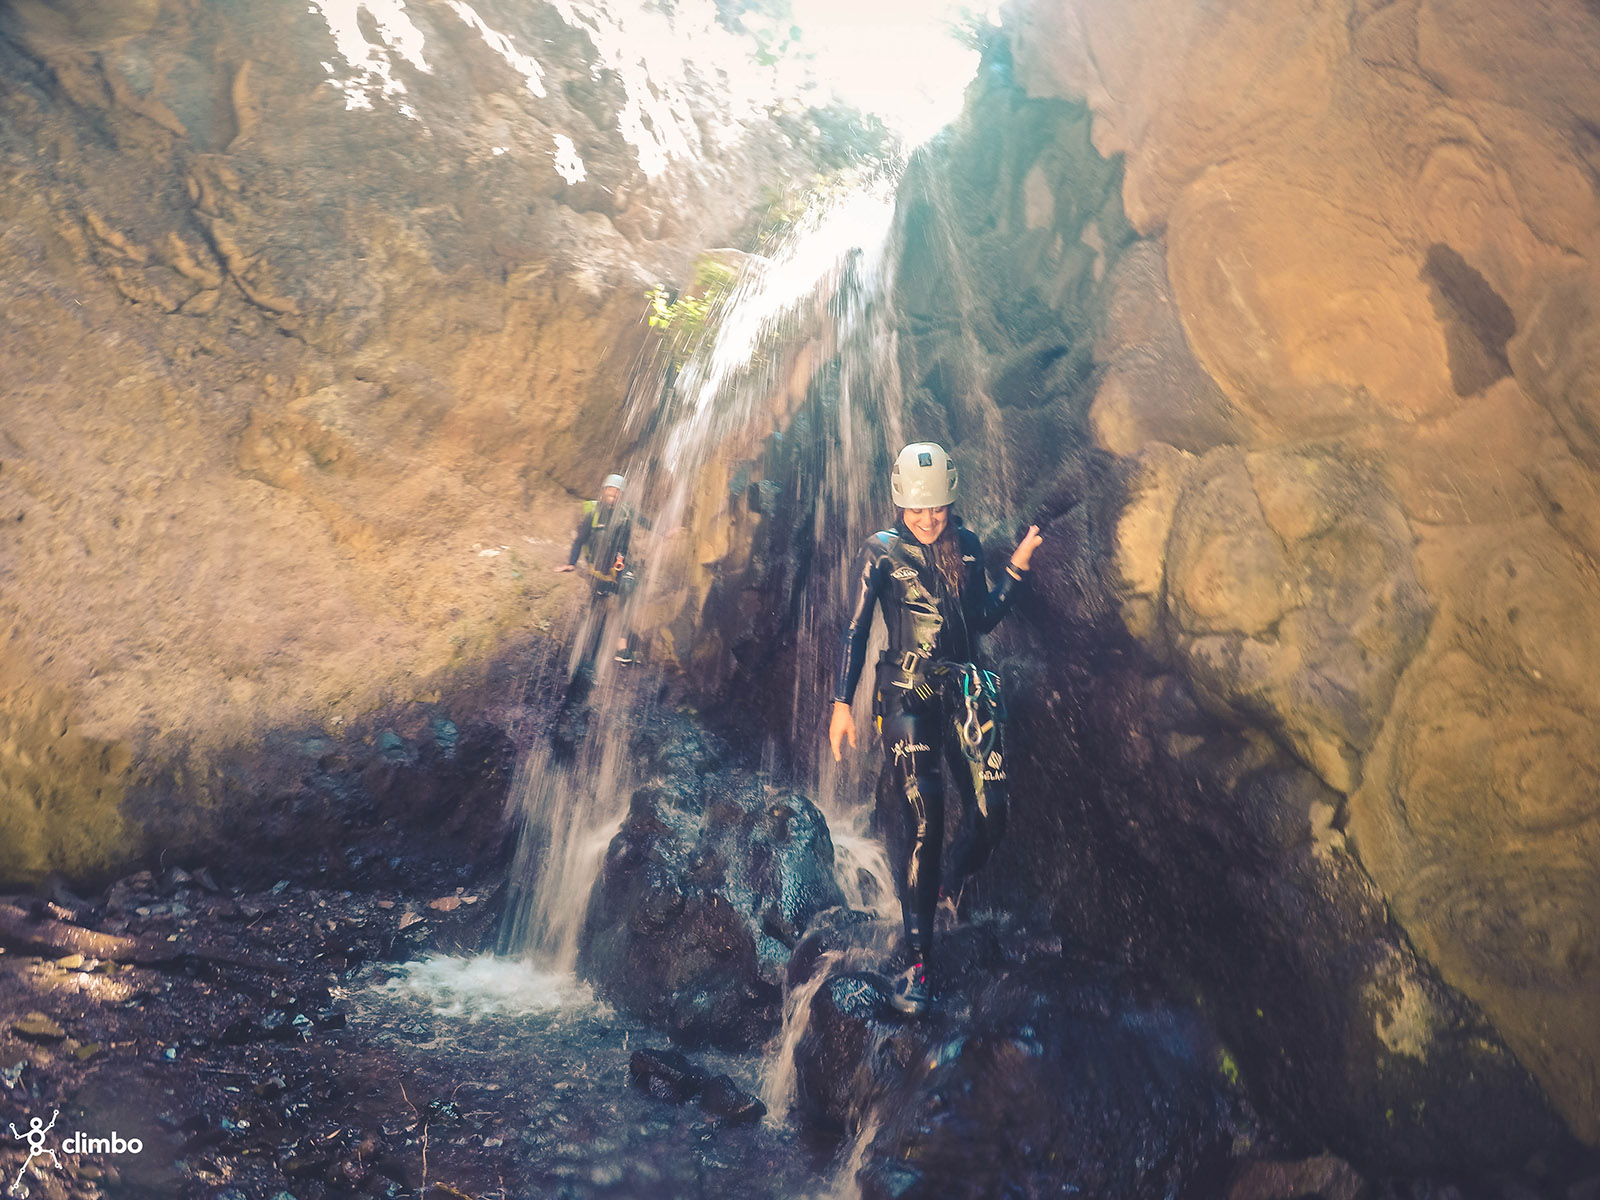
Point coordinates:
pixel 37 1025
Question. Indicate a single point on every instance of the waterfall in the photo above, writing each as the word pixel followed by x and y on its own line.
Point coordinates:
pixel 845 1186
pixel 817 303
pixel 569 801
pixel 778 1083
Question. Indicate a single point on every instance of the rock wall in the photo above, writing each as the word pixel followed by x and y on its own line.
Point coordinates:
pixel 317 322
pixel 1281 317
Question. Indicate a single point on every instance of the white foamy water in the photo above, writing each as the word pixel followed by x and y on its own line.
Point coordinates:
pixel 487 986
pixel 859 858
pixel 778 1082
pixel 844 1185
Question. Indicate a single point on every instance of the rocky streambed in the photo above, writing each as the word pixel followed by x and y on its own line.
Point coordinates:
pixel 296 1038
pixel 307 1042
pixel 293 1041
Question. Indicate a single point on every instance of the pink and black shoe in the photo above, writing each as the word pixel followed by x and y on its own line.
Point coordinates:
pixel 911 994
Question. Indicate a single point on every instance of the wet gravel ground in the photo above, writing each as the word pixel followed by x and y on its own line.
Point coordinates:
pixel 298 1042
pixel 284 1042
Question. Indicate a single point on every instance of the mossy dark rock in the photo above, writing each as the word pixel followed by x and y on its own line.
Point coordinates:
pixel 701 898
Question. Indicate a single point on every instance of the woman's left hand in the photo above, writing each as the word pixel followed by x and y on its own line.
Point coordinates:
pixel 1023 554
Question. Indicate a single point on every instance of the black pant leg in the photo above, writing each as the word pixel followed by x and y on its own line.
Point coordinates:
pixel 910 742
pixel 594 634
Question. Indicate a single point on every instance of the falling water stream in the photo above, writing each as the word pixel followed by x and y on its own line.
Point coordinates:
pixel 809 318
pixel 570 795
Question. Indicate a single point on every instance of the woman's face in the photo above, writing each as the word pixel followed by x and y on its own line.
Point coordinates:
pixel 926 524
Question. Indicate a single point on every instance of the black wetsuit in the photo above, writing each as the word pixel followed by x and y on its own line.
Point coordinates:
pixel 603 535
pixel 604 531
pixel 920 707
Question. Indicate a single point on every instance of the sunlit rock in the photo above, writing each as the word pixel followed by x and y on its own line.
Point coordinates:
pixel 306 306
pixel 1293 599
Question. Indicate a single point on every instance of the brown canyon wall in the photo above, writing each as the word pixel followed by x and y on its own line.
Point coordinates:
pixel 1351 379
pixel 317 320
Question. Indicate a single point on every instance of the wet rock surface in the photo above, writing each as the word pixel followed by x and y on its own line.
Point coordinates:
pixel 703 893
pixel 1360 531
pixel 272 1042
pixel 1044 1070
pixel 1035 1073
pixel 668 1075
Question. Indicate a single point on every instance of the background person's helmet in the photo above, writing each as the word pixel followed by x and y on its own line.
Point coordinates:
pixel 616 481
pixel 923 477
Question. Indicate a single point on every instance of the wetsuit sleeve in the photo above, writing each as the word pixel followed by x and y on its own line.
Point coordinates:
pixel 622 537
pixel 579 537
pixel 997 601
pixel 853 654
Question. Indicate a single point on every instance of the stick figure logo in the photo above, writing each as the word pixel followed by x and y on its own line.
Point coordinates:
pixel 36 1147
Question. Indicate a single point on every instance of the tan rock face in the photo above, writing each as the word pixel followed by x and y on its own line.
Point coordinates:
pixel 1292 599
pixel 1382 234
pixel 312 346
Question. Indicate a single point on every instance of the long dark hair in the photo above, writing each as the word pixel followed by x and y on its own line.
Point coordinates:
pixel 946 552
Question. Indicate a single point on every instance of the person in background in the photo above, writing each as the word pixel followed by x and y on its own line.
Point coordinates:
pixel 601 540
pixel 933 698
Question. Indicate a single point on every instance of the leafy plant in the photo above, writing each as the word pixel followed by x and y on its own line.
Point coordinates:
pixel 684 319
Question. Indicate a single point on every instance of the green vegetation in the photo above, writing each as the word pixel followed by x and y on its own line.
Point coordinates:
pixel 683 319
pixel 1227 1065
pixel 786 207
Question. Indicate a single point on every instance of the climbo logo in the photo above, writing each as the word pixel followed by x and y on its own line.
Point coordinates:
pixel 36 1147
pixel 115 1144
pixel 902 749
pixel 75 1144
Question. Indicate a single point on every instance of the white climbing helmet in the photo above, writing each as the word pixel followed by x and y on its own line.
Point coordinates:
pixel 923 477
pixel 616 481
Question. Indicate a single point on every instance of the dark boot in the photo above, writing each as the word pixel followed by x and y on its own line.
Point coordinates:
pixel 911 994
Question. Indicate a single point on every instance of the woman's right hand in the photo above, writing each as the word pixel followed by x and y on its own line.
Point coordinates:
pixel 842 726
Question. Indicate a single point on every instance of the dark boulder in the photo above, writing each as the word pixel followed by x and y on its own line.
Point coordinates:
pixel 1034 1074
pixel 665 1074
pixel 671 1076
pixel 723 1098
pixel 700 902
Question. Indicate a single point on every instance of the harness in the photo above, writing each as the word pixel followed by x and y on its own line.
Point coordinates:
pixel 976 691
pixel 606 582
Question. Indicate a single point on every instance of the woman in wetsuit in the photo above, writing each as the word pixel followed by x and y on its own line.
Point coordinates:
pixel 933 698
